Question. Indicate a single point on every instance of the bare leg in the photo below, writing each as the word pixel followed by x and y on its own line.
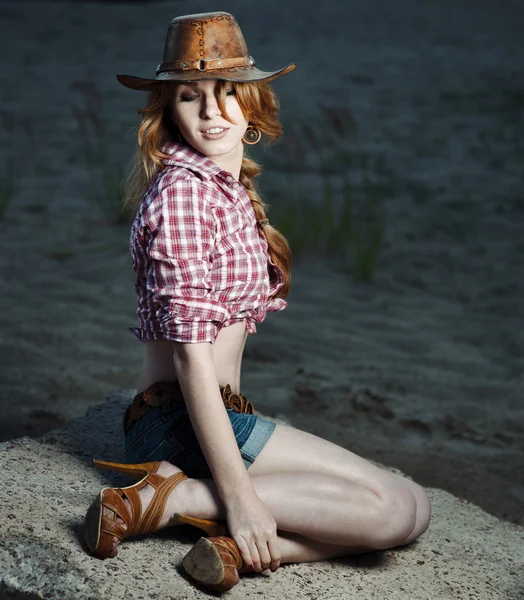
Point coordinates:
pixel 320 507
pixel 296 549
pixel 292 450
pixel 336 516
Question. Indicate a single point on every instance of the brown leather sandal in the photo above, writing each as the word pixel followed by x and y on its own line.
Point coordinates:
pixel 215 563
pixel 100 529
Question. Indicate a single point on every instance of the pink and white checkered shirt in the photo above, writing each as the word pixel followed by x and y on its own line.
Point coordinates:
pixel 200 258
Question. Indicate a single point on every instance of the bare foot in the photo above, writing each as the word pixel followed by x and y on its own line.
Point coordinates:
pixel 146 494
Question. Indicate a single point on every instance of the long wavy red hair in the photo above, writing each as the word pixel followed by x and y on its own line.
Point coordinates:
pixel 260 107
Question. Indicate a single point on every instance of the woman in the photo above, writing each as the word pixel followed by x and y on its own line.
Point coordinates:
pixel 208 267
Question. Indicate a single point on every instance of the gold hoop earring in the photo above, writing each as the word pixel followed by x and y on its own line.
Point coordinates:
pixel 252 135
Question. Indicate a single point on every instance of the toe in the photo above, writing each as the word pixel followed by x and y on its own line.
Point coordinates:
pixel 115 541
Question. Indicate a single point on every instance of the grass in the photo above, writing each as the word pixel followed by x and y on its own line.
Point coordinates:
pixel 341 220
pixel 332 191
pixel 106 177
pixel 342 224
pixel 367 240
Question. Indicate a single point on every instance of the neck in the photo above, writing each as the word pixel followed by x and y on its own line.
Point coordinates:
pixel 231 162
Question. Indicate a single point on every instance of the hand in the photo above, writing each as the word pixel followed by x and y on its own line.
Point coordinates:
pixel 254 530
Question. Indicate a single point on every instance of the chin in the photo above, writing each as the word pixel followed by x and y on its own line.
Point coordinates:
pixel 216 149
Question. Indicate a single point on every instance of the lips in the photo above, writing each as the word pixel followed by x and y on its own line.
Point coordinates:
pixel 214 133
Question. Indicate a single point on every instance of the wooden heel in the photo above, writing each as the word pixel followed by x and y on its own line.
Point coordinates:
pixel 137 471
pixel 214 563
pixel 212 528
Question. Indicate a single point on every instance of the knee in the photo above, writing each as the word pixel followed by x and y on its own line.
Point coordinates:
pixel 396 517
pixel 423 512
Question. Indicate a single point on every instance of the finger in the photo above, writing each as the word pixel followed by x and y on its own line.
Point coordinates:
pixel 275 552
pixel 255 556
pixel 245 553
pixel 265 556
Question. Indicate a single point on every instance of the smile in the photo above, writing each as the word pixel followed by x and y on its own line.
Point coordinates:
pixel 213 134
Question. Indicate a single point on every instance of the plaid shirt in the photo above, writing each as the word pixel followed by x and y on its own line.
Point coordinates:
pixel 200 258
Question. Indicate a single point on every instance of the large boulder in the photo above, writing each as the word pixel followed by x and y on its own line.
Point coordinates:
pixel 47 484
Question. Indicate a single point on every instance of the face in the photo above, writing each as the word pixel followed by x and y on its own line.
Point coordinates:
pixel 196 113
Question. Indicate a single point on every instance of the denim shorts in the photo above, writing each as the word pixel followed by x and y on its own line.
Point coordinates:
pixel 165 433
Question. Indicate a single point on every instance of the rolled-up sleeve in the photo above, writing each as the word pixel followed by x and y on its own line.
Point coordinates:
pixel 180 251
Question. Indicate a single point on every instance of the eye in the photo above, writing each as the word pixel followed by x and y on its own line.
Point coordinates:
pixel 188 98
pixel 231 92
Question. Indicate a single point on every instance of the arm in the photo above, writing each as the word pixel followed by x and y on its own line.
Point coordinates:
pixel 249 521
pixel 196 374
pixel 180 246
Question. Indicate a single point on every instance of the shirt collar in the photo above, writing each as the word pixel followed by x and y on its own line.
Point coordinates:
pixel 184 155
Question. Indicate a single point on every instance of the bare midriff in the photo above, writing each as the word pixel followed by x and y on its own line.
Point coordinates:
pixel 228 348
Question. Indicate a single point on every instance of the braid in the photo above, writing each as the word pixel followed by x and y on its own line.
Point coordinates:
pixel 278 247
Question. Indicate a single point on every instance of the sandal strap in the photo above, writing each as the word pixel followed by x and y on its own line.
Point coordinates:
pixel 135 522
pixel 150 519
pixel 228 550
pixel 113 528
pixel 154 479
pixel 133 497
pixel 113 500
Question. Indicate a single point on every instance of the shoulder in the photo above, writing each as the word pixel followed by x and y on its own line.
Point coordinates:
pixel 180 178
pixel 184 187
pixel 179 195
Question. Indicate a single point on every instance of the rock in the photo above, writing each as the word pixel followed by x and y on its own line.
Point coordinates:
pixel 47 485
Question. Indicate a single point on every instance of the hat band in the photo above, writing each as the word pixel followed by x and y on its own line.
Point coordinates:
pixel 206 65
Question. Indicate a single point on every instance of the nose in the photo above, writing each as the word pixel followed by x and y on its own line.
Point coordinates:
pixel 209 107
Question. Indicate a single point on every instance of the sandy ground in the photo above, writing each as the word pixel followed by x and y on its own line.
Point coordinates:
pixel 423 368
pixel 465 554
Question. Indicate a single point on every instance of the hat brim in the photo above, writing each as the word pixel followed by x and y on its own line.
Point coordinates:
pixel 239 74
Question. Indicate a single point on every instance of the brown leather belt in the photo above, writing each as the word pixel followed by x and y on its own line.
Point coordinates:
pixel 164 392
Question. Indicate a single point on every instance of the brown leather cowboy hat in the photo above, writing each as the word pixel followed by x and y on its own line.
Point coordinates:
pixel 204 46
